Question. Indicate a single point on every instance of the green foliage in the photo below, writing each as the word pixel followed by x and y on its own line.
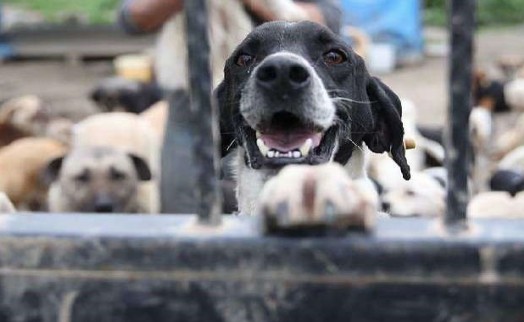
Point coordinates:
pixel 96 11
pixel 500 12
pixel 489 12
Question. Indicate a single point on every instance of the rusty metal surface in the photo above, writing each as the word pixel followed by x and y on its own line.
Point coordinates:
pixel 117 268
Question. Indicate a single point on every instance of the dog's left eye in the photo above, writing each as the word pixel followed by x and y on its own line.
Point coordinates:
pixel 334 57
pixel 245 60
pixel 83 177
pixel 117 175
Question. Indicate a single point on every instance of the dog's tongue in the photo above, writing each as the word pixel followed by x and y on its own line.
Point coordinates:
pixel 288 141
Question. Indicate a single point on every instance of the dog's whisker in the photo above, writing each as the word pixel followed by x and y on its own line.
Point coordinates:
pixel 356 145
pixel 349 100
pixel 231 144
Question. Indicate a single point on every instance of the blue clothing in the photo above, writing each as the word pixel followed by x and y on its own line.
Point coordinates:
pixel 396 22
pixel 6 50
pixel 331 10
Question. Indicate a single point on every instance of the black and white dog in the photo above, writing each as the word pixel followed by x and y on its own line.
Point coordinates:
pixel 297 94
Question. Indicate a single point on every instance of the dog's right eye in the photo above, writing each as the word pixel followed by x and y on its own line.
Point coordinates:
pixel 245 60
pixel 117 175
pixel 334 57
pixel 82 177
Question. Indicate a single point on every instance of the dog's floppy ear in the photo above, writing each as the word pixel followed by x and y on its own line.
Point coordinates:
pixel 141 167
pixel 388 132
pixel 6 114
pixel 52 170
pixel 227 131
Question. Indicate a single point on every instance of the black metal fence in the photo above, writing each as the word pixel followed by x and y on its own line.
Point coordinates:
pixel 173 268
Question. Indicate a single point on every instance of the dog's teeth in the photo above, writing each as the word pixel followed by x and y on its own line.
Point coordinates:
pixel 262 147
pixel 277 154
pixel 306 147
pixel 258 134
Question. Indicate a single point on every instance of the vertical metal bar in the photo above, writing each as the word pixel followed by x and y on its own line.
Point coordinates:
pixel 203 107
pixel 178 177
pixel 462 27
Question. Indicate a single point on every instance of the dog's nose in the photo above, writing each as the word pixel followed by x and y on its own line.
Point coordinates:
pixel 103 204
pixel 386 206
pixel 281 73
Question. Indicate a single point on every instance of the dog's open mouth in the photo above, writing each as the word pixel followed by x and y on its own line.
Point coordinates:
pixel 286 139
pixel 284 144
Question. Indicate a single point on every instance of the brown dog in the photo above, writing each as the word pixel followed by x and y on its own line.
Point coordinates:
pixel 21 117
pixel 27 116
pixel 21 165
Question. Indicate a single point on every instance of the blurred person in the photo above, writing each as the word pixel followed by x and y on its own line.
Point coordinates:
pixel 229 22
pixel 139 16
pixel 6 50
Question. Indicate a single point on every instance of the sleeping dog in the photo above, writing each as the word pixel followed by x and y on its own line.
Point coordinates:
pixel 297 94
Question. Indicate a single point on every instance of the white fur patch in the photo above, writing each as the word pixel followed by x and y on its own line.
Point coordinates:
pixel 514 93
pixel 6 206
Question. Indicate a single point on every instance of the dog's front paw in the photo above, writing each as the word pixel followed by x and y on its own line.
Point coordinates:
pixel 316 198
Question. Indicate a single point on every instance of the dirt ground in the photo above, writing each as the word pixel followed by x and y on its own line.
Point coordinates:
pixel 65 87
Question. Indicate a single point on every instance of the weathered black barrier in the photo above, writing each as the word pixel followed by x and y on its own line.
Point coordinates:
pixel 164 268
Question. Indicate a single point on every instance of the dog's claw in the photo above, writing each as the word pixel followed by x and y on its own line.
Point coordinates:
pixel 306 198
pixel 282 212
pixel 330 211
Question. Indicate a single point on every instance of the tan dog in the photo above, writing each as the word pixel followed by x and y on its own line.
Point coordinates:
pixel 496 204
pixel 513 160
pixel 126 132
pixel 121 130
pixel 422 196
pixel 21 164
pixel 97 179
pixel 510 139
pixel 21 117
pixel 156 116
pixel 6 206
pixel 514 92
